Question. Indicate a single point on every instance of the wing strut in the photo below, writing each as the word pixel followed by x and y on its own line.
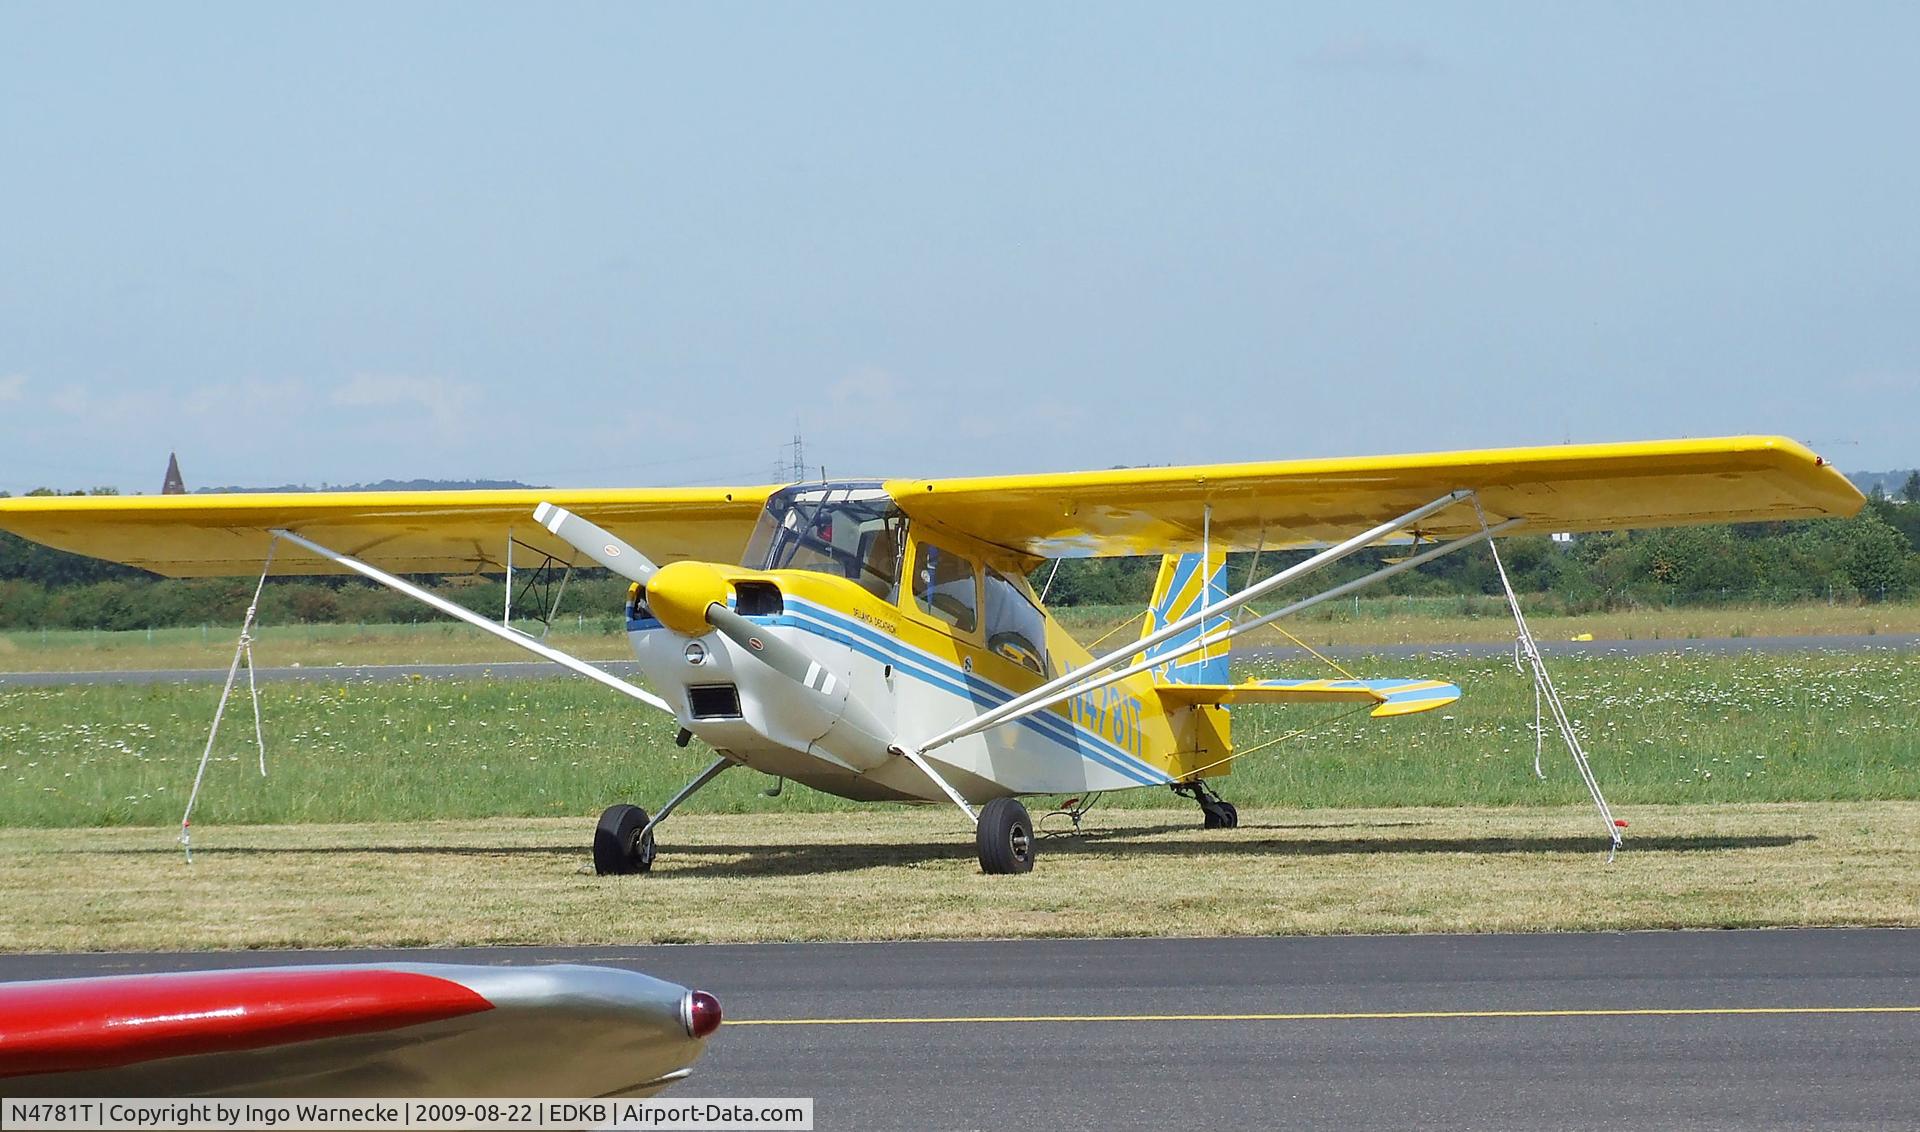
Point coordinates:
pixel 926 768
pixel 1543 689
pixel 540 585
pixel 517 639
pixel 241 648
pixel 1094 682
pixel 1088 678
pixel 1048 694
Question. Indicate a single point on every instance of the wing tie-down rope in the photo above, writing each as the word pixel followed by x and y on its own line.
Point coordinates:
pixel 243 649
pixel 1544 691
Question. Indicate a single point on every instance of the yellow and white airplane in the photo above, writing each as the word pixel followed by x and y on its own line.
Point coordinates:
pixel 878 639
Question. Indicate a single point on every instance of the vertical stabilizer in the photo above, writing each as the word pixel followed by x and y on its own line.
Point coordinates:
pixel 1179 591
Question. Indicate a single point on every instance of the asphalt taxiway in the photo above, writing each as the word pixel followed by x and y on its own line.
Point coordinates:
pixel 1731 1029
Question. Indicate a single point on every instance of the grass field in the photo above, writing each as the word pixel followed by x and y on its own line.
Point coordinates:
pixel 1680 728
pixel 1389 620
pixel 893 874
pixel 1762 789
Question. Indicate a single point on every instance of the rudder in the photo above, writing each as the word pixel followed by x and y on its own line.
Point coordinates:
pixel 1178 592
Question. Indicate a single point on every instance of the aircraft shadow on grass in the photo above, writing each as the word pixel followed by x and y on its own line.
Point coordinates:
pixel 800 860
pixel 1294 846
pixel 749 860
pixel 465 849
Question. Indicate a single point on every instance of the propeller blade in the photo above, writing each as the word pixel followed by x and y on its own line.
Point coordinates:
pixel 596 542
pixel 772 651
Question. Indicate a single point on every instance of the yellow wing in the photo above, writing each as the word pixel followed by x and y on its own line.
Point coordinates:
pixel 1129 511
pixel 1296 503
pixel 408 532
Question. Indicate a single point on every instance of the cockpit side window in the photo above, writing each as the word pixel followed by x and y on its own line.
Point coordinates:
pixel 880 548
pixel 1016 629
pixel 943 585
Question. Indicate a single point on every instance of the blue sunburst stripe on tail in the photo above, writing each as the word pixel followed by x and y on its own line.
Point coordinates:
pixel 1178 593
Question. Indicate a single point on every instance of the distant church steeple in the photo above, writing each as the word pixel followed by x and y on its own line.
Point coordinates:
pixel 174 485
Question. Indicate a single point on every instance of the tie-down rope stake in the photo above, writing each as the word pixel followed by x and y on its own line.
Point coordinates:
pixel 1543 690
pixel 242 649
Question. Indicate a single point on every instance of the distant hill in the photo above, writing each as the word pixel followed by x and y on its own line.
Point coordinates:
pixel 383 485
pixel 1888 482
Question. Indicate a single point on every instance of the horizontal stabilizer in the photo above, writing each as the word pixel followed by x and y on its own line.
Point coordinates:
pixel 1391 697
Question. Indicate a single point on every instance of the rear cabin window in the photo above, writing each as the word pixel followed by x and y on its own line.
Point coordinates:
pixel 943 586
pixel 1016 629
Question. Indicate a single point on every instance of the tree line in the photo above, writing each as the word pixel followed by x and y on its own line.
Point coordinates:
pixel 1872 557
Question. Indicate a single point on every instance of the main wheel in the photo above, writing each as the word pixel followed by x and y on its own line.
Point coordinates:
pixel 1005 834
pixel 1231 814
pixel 618 847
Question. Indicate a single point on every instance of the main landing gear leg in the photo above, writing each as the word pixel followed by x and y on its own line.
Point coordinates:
pixel 1216 812
pixel 623 842
pixel 1002 829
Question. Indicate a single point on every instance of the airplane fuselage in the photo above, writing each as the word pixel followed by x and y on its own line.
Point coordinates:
pixel 906 663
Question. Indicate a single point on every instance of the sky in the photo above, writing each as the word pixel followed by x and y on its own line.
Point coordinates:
pixel 638 244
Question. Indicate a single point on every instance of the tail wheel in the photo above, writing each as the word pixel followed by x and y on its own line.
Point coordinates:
pixel 1005 836
pixel 1218 814
pixel 618 848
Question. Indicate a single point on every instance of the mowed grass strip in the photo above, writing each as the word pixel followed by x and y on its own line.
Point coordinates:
pixel 894 874
pixel 314 645
pixel 1661 729
pixel 1465 619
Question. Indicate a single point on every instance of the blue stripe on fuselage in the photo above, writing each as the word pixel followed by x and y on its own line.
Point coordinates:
pixel 933 671
pixel 930 670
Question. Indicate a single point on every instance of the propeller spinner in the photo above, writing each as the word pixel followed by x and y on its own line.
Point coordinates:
pixel 691 598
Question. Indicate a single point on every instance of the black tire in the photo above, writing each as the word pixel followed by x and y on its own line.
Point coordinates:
pixel 1231 816
pixel 618 848
pixel 1211 816
pixel 1005 835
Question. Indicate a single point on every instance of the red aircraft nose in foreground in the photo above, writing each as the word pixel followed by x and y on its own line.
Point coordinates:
pixel 364 1030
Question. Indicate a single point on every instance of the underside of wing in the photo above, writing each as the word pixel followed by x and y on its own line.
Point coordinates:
pixel 1302 503
pixel 1391 697
pixel 410 532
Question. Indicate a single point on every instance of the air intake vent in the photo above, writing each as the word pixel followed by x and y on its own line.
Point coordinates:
pixel 714 701
pixel 757 599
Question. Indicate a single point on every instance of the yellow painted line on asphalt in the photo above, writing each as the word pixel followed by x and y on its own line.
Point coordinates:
pixel 1349 1016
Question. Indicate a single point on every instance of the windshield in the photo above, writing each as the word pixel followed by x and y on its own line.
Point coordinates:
pixel 849 530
